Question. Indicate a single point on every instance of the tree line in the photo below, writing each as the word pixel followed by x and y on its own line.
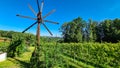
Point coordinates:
pixel 12 35
pixel 78 30
pixel 28 37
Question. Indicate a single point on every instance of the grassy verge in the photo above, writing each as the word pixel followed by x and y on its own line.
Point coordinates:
pixel 75 63
pixel 18 62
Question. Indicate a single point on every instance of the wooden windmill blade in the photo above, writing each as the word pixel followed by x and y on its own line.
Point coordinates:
pixel 26 17
pixel 41 7
pixel 32 9
pixel 51 22
pixel 29 27
pixel 49 13
pixel 47 29
pixel 38 5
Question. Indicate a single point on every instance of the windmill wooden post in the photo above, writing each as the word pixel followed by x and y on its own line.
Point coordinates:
pixel 39 20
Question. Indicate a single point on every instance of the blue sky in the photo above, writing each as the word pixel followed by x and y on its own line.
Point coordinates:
pixel 66 10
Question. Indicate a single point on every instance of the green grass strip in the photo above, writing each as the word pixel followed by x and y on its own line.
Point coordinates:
pixel 76 63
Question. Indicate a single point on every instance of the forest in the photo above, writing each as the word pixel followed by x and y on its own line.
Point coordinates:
pixel 84 44
pixel 79 30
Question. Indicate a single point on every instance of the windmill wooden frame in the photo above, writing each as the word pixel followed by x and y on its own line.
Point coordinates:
pixel 39 20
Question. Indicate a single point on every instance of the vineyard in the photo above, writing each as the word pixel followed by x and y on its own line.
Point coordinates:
pixel 84 34
pixel 86 55
pixel 79 55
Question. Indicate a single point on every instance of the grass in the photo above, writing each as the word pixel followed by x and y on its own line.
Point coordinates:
pixel 9 63
pixel 75 63
pixel 4 46
pixel 4 43
pixel 18 62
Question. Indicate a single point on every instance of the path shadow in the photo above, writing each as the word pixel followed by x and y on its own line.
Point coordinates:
pixel 23 64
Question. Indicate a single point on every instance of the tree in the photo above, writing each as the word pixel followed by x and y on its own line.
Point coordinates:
pixel 90 31
pixel 99 33
pixel 73 31
pixel 109 31
pixel 116 28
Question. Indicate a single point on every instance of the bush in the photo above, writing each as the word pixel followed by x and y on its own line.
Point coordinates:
pixel 3 46
pixel 16 48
